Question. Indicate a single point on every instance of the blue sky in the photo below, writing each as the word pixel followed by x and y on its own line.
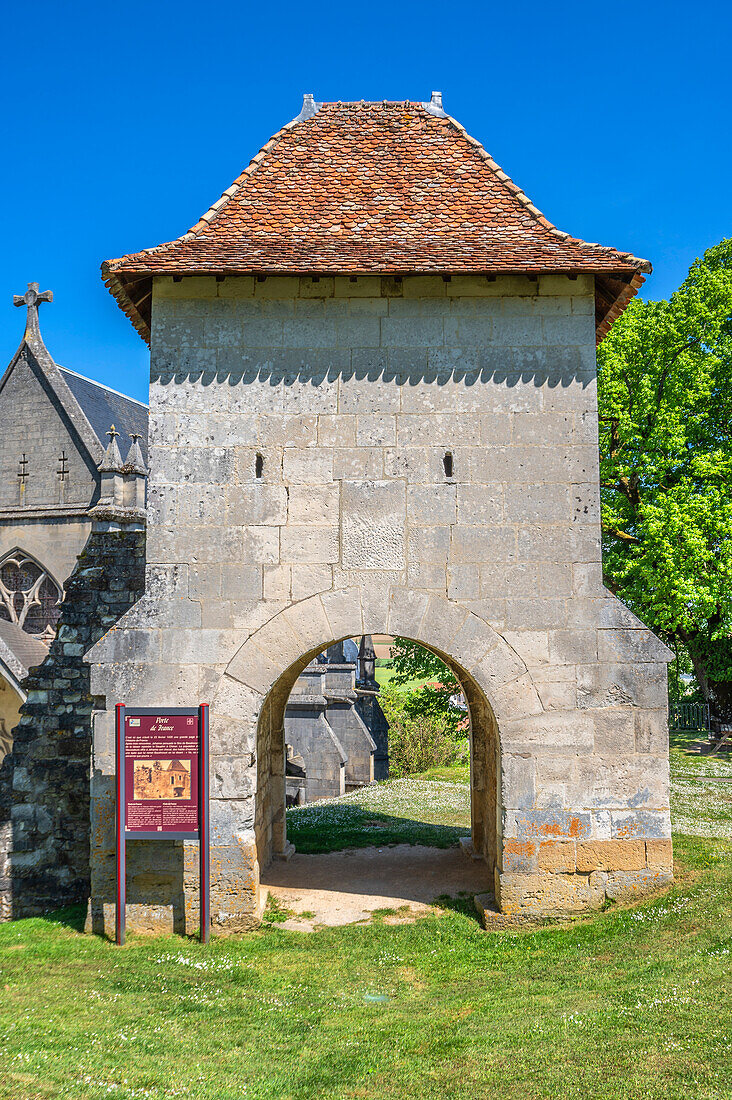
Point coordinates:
pixel 122 123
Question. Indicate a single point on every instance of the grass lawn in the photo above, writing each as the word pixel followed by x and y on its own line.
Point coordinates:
pixel 701 791
pixel 398 811
pixel 385 675
pixel 630 1004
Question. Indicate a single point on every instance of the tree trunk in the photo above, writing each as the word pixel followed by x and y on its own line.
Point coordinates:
pixel 716 691
pixel 691 641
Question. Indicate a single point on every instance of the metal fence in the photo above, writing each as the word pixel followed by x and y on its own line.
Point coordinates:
pixel 690 716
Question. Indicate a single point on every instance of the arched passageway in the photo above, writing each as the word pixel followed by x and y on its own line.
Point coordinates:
pixel 483 739
pixel 386 847
pixel 253 694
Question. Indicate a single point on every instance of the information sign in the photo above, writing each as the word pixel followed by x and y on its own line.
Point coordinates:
pixel 162 787
pixel 161 774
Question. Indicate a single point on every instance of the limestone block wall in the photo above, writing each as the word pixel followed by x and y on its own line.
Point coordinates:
pixel 372 716
pixel 308 729
pixel 342 456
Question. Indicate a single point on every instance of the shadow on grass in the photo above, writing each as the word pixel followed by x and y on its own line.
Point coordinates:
pixel 73 918
pixel 463 906
pixel 315 830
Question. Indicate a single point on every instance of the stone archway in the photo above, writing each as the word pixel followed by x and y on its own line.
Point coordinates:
pixel 250 703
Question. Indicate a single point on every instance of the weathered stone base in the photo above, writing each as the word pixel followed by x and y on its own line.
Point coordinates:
pixel 180 917
pixel 167 876
pixel 575 876
pixel 235 901
pixel 155 920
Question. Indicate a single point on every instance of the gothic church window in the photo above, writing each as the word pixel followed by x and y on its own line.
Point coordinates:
pixel 29 597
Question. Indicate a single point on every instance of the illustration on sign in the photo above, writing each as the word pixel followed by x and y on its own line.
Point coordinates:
pixel 162 779
pixel 161 772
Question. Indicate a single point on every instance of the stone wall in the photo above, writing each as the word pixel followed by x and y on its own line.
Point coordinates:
pixel 323 727
pixel 44 781
pixel 332 457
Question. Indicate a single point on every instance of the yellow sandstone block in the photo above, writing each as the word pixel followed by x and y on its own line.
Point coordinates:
pixel 557 856
pixel 659 855
pixel 611 855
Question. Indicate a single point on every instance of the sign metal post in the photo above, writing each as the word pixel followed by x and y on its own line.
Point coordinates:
pixel 162 789
pixel 203 825
pixel 121 847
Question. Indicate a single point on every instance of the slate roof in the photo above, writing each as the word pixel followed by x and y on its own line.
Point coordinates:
pixel 359 188
pixel 91 408
pixel 104 407
pixel 19 651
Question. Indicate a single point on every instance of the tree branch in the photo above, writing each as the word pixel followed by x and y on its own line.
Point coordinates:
pixel 618 534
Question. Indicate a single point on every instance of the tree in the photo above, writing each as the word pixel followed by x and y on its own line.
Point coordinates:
pixel 432 700
pixel 665 400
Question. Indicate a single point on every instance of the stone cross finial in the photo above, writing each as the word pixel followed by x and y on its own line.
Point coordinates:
pixel 32 299
pixel 112 433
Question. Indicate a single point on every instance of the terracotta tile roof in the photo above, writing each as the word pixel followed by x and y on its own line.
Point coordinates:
pixel 364 188
pixel 176 766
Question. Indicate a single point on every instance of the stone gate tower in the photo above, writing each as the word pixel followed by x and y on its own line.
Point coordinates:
pixel 373 410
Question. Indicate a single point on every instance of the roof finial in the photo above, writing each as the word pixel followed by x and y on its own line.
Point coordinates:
pixel 309 107
pixel 135 463
pixel 32 299
pixel 435 105
pixel 112 459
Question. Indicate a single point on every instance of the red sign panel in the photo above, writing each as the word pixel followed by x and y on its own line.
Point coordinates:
pixel 161 773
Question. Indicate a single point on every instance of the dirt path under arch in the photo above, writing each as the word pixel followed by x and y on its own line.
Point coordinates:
pixel 346 887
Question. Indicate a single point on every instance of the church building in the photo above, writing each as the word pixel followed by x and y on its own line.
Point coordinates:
pixel 54 425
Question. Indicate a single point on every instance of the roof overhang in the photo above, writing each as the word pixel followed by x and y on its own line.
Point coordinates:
pixel 613 290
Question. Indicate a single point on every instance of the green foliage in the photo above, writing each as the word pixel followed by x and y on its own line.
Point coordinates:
pixel 423 729
pixel 413 662
pixel 665 399
pixel 432 700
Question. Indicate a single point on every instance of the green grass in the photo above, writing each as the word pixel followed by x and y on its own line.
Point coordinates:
pixel 690 756
pixel 701 787
pixel 629 1004
pixel 399 811
pixel 385 675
